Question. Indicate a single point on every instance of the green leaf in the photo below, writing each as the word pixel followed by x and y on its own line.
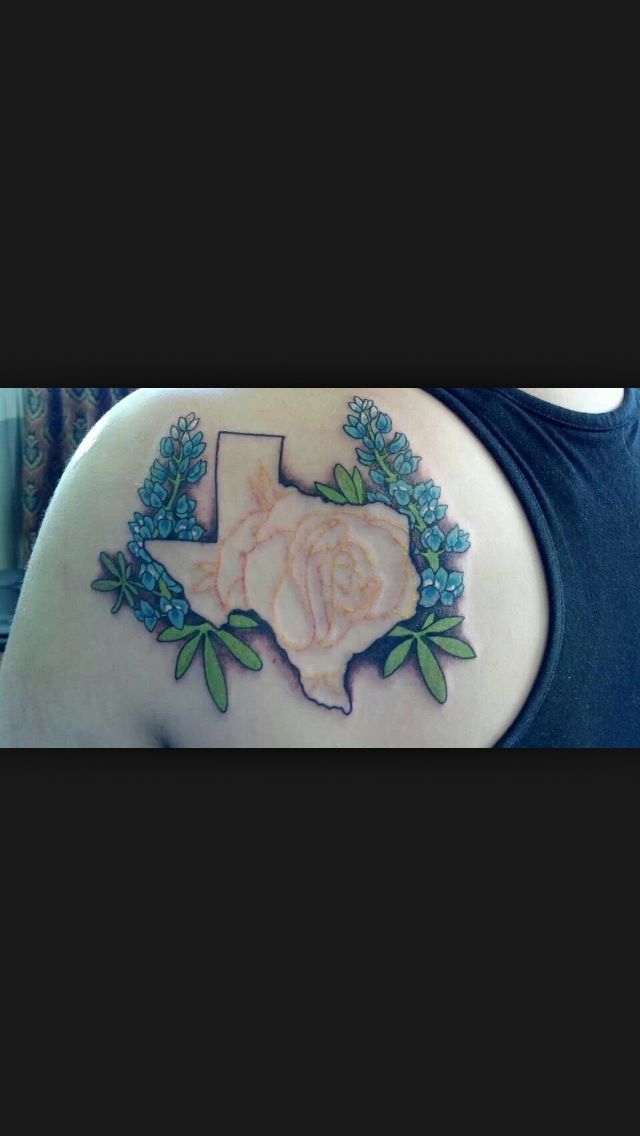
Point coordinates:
pixel 397 657
pixel 456 647
pixel 241 651
pixel 399 633
pixel 432 672
pixel 122 564
pixel 359 486
pixel 172 635
pixel 343 480
pixel 433 560
pixel 105 585
pixel 109 564
pixel 164 591
pixel 428 621
pixel 128 571
pixel 244 621
pixel 118 604
pixel 330 494
pixel 214 675
pixel 128 595
pixel 445 624
pixel 186 656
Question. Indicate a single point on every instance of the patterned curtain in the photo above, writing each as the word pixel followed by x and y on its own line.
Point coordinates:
pixel 10 474
pixel 56 419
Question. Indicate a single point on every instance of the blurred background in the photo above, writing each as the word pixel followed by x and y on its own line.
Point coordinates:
pixel 40 428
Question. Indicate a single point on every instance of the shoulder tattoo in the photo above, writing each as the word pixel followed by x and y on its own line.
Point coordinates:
pixel 364 567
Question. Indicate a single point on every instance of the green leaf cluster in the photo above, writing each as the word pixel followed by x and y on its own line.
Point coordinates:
pixel 210 639
pixel 119 580
pixel 349 488
pixel 432 634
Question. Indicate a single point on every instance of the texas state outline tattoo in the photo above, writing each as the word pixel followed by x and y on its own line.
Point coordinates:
pixel 361 568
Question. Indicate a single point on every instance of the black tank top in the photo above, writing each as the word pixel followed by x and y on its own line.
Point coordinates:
pixel 578 478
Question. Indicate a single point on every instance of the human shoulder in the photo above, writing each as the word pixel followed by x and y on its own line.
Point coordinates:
pixel 73 675
pixel 283 566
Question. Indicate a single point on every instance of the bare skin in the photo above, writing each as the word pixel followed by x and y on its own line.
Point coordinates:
pixel 95 680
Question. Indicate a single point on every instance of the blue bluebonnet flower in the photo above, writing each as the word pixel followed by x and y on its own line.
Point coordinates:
pixel 360 404
pixel 401 492
pixel 164 522
pixel 152 573
pixel 146 491
pixel 172 584
pixel 185 444
pixel 458 541
pixel 398 444
pixel 184 507
pixel 198 445
pixel 433 539
pixel 367 420
pixel 427 499
pixel 355 428
pixel 187 529
pixel 379 449
pixel 197 472
pixel 142 527
pixel 147 614
pixel 175 611
pixel 368 444
pixel 406 464
pixel 441 587
pixel 158 472
pixel 183 528
pixel 153 494
pixel 383 498
pixel 137 549
pixel 366 458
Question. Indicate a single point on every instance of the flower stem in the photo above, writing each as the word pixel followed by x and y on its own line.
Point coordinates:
pixel 421 524
pixel 177 483
pixel 392 478
pixel 201 628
